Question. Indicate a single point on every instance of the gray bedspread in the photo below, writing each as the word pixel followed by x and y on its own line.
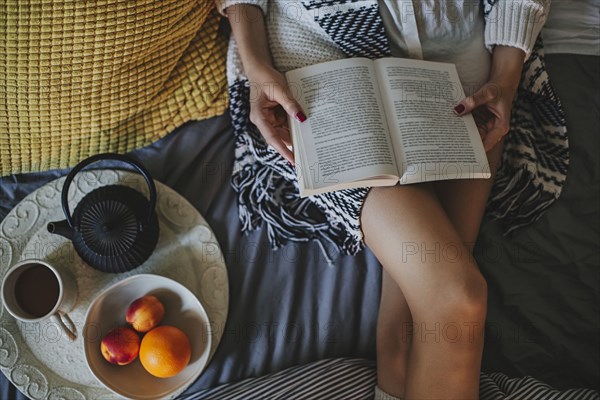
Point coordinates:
pixel 544 297
pixel 289 307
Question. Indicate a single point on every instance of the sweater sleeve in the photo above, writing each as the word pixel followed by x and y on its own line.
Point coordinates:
pixel 515 23
pixel 223 4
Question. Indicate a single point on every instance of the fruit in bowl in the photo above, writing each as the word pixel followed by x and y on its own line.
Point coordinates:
pixel 145 313
pixel 120 346
pixel 165 351
pixel 182 310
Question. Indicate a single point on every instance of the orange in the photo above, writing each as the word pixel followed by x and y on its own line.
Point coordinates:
pixel 165 351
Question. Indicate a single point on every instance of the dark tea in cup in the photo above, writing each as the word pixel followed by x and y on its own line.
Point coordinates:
pixel 34 290
pixel 37 290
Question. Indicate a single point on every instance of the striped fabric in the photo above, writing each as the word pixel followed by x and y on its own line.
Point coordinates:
pixel 337 378
pixel 354 379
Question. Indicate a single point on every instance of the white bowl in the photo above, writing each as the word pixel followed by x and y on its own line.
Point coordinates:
pixel 182 310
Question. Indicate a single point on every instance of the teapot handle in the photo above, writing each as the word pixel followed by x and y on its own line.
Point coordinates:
pixel 107 156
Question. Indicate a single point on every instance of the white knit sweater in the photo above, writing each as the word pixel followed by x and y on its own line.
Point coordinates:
pixel 296 40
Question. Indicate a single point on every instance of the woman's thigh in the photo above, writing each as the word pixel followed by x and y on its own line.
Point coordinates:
pixel 465 200
pixel 410 233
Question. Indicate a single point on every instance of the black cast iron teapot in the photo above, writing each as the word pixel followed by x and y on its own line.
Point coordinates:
pixel 113 228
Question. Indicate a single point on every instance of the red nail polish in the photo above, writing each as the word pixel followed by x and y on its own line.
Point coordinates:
pixel 459 109
pixel 300 116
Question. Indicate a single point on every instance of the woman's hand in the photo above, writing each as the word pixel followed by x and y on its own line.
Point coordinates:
pixel 270 104
pixel 270 98
pixel 491 105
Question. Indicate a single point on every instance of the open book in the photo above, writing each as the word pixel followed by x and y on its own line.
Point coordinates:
pixel 377 123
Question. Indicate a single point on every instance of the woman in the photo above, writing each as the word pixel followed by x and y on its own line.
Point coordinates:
pixel 421 294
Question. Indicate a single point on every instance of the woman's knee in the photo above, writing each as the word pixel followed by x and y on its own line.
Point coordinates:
pixel 460 301
pixel 469 302
pixel 456 316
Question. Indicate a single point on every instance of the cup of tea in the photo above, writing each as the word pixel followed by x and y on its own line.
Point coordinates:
pixel 34 290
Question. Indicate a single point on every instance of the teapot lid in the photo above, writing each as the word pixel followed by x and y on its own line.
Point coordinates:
pixel 112 234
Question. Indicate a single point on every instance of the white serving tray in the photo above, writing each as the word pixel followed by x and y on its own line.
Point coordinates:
pixel 39 360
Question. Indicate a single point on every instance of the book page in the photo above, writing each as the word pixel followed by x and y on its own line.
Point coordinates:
pixel 429 139
pixel 345 137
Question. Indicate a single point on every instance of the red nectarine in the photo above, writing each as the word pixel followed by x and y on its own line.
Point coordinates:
pixel 120 346
pixel 145 313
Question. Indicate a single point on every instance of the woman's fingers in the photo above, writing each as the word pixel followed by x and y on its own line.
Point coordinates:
pixel 271 86
pixel 283 96
pixel 273 103
pixel 495 134
pixel 487 94
pixel 491 112
pixel 274 136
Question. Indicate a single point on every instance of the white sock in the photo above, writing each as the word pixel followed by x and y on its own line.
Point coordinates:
pixel 381 395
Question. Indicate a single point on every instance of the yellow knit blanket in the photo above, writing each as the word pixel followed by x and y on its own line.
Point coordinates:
pixel 83 77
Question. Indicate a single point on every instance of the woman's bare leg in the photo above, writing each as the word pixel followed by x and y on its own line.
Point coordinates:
pixel 464 203
pixel 409 232
pixel 393 339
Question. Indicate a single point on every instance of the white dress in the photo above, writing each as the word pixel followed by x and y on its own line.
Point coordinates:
pixel 445 31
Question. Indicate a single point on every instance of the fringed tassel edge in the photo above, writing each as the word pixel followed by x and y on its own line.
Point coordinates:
pixel 294 222
pixel 517 188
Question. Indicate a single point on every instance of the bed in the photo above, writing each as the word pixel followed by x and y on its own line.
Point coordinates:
pixel 299 328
